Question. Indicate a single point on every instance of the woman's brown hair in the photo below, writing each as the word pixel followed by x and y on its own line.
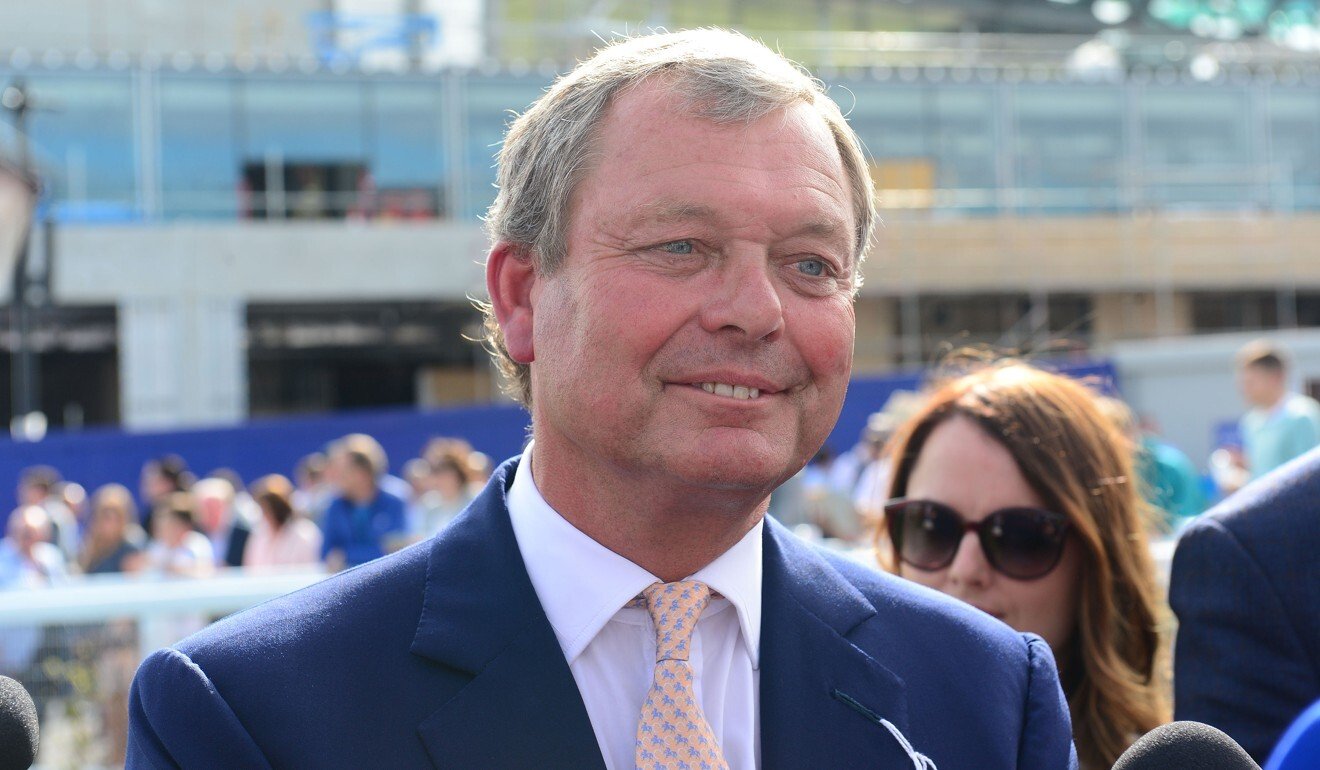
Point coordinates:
pixel 1075 458
pixel 276 493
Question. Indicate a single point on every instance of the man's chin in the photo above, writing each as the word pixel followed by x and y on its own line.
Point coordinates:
pixel 749 474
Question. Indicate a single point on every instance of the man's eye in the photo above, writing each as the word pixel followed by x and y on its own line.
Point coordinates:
pixel 812 267
pixel 678 247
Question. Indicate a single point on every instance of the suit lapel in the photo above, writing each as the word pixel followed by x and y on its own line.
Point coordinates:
pixel 481 616
pixel 822 698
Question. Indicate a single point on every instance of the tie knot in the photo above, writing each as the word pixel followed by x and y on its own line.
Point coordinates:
pixel 674 609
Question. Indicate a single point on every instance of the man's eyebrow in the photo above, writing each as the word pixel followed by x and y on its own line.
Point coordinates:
pixel 665 211
pixel 825 228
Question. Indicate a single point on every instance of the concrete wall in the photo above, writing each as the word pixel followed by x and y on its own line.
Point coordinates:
pixel 271 261
pixel 1100 253
pixel 1188 384
pixel 182 293
pixel 183 288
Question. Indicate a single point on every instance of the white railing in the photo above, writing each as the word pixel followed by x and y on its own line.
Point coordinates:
pixel 148 600
pixel 76 646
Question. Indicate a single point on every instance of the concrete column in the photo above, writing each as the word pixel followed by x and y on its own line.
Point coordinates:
pixel 182 361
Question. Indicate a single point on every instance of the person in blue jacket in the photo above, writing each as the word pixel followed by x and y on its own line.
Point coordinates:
pixel 364 522
pixel 1246 590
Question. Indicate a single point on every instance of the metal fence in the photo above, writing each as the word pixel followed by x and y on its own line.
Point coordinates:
pixel 76 647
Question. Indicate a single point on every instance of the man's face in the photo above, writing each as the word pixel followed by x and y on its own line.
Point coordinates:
pixel 1260 387
pixel 700 258
pixel 213 513
pixel 154 484
pixel 28 528
pixel 30 494
pixel 357 482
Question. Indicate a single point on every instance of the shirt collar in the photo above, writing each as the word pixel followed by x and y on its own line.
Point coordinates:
pixel 582 584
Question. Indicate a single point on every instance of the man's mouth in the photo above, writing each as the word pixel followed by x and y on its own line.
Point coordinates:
pixel 729 390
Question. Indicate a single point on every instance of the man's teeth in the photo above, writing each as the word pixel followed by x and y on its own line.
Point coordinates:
pixel 731 391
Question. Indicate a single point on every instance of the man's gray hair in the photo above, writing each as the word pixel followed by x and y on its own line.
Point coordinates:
pixel 722 76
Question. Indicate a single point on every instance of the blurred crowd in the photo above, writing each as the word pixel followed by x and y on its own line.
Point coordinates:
pixel 341 508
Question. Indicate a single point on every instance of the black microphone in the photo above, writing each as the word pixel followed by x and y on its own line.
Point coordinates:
pixel 18 726
pixel 1185 746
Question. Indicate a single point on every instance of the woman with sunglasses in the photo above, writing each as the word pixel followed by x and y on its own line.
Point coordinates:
pixel 1013 492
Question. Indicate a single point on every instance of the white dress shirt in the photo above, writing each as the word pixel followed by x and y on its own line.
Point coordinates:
pixel 610 648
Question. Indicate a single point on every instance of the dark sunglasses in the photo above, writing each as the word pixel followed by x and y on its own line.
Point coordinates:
pixel 1021 543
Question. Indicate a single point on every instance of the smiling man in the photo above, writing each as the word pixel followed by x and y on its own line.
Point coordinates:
pixel 677 240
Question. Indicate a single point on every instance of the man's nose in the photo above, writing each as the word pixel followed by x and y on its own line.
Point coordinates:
pixel 746 299
pixel 969 567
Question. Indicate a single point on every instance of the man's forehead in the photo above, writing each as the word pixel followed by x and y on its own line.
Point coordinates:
pixel 659 108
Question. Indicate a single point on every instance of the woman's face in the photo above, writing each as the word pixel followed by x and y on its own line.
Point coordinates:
pixel 964 468
pixel 109 521
pixel 448 483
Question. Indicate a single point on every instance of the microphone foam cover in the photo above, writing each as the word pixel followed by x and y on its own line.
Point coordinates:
pixel 18 726
pixel 1185 745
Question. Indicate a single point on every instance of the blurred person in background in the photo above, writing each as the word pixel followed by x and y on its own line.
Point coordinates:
pixel 246 511
pixel 283 537
pixel 441 491
pixel 364 522
pixel 27 557
pixel 1281 424
pixel 178 548
pixel 476 466
pixel 417 472
pixel 847 468
pixel 1228 469
pixel 872 488
pixel 452 482
pixel 114 541
pixel 29 561
pixel 1012 491
pixel 1168 480
pixel 479 471
pixel 162 478
pixel 74 497
pixel 1172 481
pixel 314 492
pixel 39 486
pixel 361 442
pixel 788 503
pixel 823 503
pixel 218 519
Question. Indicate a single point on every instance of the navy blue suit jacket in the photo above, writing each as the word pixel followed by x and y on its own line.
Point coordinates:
pixel 441 655
pixel 1246 589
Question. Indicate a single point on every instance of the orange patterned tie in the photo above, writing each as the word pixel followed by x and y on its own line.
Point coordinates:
pixel 671 731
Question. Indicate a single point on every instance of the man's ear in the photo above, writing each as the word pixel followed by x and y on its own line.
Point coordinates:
pixel 510 278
